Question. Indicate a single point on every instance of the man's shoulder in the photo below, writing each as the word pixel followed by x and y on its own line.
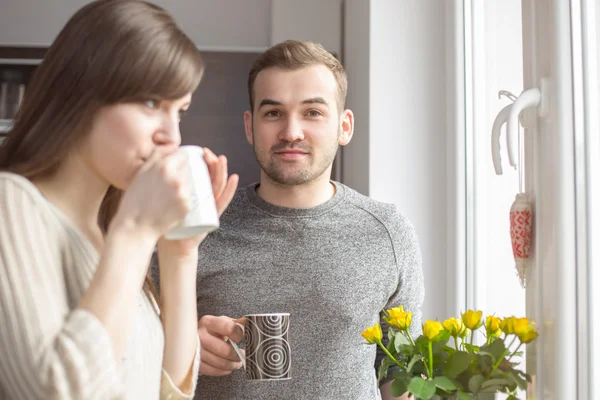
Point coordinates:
pixel 387 214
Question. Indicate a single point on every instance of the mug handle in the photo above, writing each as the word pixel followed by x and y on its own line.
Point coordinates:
pixel 236 348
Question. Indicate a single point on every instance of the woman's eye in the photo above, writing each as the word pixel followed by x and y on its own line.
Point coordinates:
pixel 152 104
pixel 182 114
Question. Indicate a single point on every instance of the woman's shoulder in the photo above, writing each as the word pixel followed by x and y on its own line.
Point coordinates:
pixel 20 197
pixel 11 183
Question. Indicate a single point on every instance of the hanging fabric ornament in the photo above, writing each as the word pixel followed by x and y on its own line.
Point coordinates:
pixel 521 221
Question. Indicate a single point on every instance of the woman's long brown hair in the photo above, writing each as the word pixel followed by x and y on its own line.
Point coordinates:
pixel 110 51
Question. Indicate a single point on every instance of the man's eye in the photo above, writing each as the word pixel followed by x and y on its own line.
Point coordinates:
pixel 272 113
pixel 182 114
pixel 152 104
pixel 313 113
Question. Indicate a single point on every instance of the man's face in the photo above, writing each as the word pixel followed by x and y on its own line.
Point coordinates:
pixel 296 127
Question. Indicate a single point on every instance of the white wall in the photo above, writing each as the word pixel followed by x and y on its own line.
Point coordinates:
pixel 210 23
pixel 315 20
pixel 223 23
pixel 250 25
pixel 405 101
pixel 357 45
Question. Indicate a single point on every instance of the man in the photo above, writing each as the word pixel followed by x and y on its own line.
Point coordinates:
pixel 297 242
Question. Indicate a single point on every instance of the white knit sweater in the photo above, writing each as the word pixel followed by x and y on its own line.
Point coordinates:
pixel 48 348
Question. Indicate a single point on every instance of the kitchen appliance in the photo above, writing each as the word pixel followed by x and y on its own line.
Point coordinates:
pixel 16 67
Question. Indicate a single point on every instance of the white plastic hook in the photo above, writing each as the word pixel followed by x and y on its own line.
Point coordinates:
pixel 500 120
pixel 529 98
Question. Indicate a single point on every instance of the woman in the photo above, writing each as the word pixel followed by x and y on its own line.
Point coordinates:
pixel 90 182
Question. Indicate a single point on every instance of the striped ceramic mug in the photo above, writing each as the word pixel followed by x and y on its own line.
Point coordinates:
pixel 268 355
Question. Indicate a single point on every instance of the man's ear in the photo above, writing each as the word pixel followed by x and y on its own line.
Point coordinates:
pixel 248 126
pixel 346 127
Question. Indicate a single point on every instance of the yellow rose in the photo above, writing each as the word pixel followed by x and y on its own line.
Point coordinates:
pixel 399 318
pixel 373 334
pixel 521 326
pixel 432 329
pixel 492 326
pixel 472 319
pixel 508 325
pixel 463 332
pixel 528 336
pixel 525 330
pixel 454 326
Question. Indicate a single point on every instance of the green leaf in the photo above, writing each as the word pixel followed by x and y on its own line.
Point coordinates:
pixel 472 348
pixel 398 388
pixel 459 385
pixel 496 349
pixel 421 344
pixel 463 396
pixel 391 333
pixel 439 362
pixel 390 344
pixel 444 383
pixel 521 383
pixel 442 338
pixel 386 363
pixel 475 383
pixel 413 361
pixel 403 376
pixel 493 389
pixel 421 388
pixel 510 377
pixel 448 350
pixel 401 343
pixel 405 349
pixel 484 363
pixel 439 346
pixel 457 363
pixel 419 369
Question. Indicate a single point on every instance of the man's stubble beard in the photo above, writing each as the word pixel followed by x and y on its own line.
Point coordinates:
pixel 277 171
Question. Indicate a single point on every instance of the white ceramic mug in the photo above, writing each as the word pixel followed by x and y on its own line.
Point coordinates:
pixel 203 216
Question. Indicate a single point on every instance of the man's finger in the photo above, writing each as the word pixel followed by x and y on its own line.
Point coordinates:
pixel 219 326
pixel 209 370
pixel 218 347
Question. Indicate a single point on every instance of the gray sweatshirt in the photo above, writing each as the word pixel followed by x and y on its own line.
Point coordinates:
pixel 333 267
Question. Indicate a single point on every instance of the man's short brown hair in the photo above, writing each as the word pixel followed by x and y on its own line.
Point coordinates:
pixel 294 55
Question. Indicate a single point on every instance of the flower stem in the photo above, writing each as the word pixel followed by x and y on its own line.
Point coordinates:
pixel 500 359
pixel 512 342
pixel 515 352
pixel 456 344
pixel 472 335
pixel 410 338
pixel 430 351
pixel 388 354
pixel 497 363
